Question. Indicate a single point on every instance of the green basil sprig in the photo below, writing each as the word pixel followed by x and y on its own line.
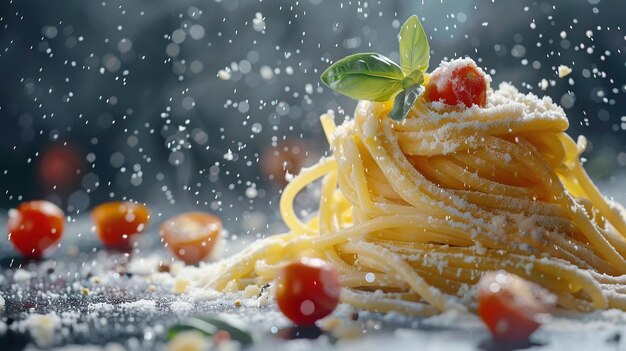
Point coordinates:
pixel 209 325
pixel 374 77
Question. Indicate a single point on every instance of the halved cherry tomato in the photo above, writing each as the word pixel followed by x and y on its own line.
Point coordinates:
pixel 191 236
pixel 35 226
pixel 307 291
pixel 511 307
pixel 116 222
pixel 458 84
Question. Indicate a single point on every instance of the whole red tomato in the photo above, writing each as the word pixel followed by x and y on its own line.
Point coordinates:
pixel 34 227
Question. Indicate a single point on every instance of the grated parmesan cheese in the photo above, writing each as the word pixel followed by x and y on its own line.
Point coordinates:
pixel 180 285
pixel 43 328
pixel 22 275
pixel 563 71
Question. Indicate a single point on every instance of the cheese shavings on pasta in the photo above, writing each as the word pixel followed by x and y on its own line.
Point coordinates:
pixel 413 213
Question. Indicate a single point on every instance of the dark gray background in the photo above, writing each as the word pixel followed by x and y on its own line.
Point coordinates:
pixel 145 91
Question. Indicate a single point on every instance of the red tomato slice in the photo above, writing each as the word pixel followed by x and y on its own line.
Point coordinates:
pixel 307 291
pixel 34 227
pixel 465 84
pixel 191 236
pixel 511 307
pixel 116 222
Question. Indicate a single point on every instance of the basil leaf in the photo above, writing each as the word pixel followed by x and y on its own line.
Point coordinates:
pixel 404 102
pixel 416 77
pixel 368 76
pixel 414 48
pixel 209 326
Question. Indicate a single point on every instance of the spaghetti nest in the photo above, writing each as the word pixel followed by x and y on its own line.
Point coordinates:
pixel 412 213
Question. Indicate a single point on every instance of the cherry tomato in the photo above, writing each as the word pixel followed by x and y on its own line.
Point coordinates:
pixel 511 307
pixel 458 84
pixel 35 226
pixel 289 156
pixel 116 222
pixel 59 166
pixel 191 236
pixel 307 290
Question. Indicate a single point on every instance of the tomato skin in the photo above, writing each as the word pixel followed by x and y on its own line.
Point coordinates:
pixel 34 227
pixel 307 291
pixel 191 236
pixel 288 156
pixel 116 222
pixel 59 166
pixel 511 307
pixel 466 85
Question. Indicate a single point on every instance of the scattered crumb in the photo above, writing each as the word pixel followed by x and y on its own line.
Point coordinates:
pixel 564 71
pixel 329 323
pixel 348 330
pixel 95 280
pixel 204 295
pixel 237 303
pixel 152 288
pixel 251 291
pixel 231 287
pixel 163 268
pixel 543 85
pixel 100 307
pixel 22 275
pixel 181 307
pixel 43 328
pixel 180 286
pixel 85 291
pixel 142 305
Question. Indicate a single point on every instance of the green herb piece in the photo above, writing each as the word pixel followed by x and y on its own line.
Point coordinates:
pixel 416 77
pixel 404 101
pixel 414 48
pixel 209 326
pixel 374 77
pixel 367 76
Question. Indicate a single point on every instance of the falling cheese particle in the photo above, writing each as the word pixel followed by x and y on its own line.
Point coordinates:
pixel 564 71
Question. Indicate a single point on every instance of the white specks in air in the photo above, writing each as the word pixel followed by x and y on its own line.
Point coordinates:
pixel 229 156
pixel 196 32
pixel 258 23
pixel 266 72
pixel 172 50
pixel 50 31
pixel 188 103
pixel 308 88
pixel 178 36
pixel 224 74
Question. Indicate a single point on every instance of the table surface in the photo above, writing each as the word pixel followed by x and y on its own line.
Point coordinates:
pixel 121 309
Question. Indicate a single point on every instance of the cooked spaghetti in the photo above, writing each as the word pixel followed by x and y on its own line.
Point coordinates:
pixel 412 213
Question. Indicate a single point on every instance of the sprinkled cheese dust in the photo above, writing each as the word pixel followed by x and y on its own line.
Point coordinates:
pixel 563 71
